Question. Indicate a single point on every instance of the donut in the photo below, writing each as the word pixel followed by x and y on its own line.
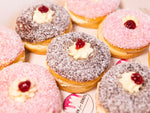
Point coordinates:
pixel 126 32
pixel 11 47
pixel 39 24
pixel 28 88
pixel 89 13
pixel 149 56
pixel 77 61
pixel 124 89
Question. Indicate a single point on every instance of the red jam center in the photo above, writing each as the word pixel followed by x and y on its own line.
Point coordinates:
pixel 137 78
pixel 24 86
pixel 43 9
pixel 80 44
pixel 130 24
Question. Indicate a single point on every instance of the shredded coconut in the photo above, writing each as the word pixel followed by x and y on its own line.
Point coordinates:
pixel 35 32
pixel 46 99
pixel 92 9
pixel 114 31
pixel 11 46
pixel 65 65
pixel 115 99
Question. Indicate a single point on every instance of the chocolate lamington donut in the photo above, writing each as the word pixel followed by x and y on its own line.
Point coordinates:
pixel 75 70
pixel 42 22
pixel 124 89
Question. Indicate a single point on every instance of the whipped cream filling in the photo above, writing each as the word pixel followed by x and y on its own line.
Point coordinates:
pixel 39 17
pixel 128 17
pixel 83 52
pixel 128 84
pixel 19 96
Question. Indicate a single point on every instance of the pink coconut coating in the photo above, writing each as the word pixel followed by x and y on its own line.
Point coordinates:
pixel 11 46
pixel 92 9
pixel 47 98
pixel 117 34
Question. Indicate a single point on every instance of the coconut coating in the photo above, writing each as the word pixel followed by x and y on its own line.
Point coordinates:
pixel 82 69
pixel 11 46
pixel 46 99
pixel 115 99
pixel 31 31
pixel 92 9
pixel 115 32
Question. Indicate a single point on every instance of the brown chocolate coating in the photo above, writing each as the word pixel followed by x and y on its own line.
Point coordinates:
pixel 31 31
pixel 115 99
pixel 82 69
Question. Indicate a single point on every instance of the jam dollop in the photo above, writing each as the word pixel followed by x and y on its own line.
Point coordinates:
pixel 80 44
pixel 130 24
pixel 137 78
pixel 24 86
pixel 43 9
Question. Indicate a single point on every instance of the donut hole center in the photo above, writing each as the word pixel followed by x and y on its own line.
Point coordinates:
pixel 130 24
pixel 22 89
pixel 24 86
pixel 131 81
pixel 80 49
pixel 43 9
pixel 80 44
pixel 137 78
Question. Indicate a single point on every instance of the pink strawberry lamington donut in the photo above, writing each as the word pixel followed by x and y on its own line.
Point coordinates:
pixel 11 47
pixel 126 32
pixel 89 13
pixel 28 88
